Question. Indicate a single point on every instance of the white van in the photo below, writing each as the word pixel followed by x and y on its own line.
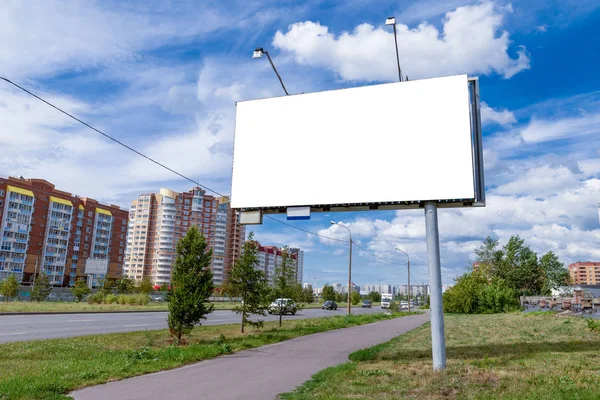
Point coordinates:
pixel 386 299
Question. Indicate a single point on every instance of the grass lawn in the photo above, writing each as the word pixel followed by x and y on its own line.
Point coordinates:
pixel 49 369
pixel 504 356
pixel 58 306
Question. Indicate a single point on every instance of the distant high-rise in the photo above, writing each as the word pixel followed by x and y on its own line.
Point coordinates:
pixel 269 257
pixel 46 230
pixel 159 220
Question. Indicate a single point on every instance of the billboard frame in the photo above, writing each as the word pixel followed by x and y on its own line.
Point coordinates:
pixel 478 177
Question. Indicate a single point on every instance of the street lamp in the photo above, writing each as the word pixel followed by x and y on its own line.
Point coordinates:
pixel 349 265
pixel 37 258
pixel 258 53
pixel 407 256
pixel 392 21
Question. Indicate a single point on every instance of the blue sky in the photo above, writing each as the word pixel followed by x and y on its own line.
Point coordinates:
pixel 165 76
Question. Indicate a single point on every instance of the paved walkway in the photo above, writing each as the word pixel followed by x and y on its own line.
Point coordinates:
pixel 260 373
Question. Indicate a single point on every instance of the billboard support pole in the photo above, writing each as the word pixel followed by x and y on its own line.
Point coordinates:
pixel 438 341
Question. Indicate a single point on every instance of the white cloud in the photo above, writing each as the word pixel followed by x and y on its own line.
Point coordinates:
pixel 542 130
pixel 540 181
pixel 470 42
pixel 501 117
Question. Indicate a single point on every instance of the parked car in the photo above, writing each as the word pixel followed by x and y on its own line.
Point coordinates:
pixel 329 305
pixel 284 305
pixel 366 304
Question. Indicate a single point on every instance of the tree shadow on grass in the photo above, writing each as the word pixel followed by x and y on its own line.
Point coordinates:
pixel 512 350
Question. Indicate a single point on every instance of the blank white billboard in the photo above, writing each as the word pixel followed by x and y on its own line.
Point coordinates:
pixel 398 142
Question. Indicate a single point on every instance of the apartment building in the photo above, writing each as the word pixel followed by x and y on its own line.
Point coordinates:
pixel 159 220
pixel 585 273
pixel 415 290
pixel 270 256
pixel 46 230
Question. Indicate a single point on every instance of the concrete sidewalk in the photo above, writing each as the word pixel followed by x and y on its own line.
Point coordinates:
pixel 257 374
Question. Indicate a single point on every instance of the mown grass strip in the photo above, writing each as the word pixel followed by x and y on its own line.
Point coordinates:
pixel 502 356
pixel 49 369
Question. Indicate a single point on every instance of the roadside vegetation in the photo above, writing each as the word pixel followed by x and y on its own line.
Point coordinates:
pixel 501 276
pixel 50 369
pixel 500 356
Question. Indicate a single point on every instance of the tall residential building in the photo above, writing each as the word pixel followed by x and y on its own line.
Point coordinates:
pixel 585 273
pixel 43 229
pixel 415 290
pixel 270 256
pixel 159 220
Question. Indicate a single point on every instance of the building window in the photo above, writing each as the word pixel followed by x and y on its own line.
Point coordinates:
pixel 1 193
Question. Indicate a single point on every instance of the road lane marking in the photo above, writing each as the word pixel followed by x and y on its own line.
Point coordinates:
pixel 81 320
pixel 14 333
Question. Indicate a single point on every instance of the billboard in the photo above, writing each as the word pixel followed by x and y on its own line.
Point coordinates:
pixel 385 146
pixel 96 266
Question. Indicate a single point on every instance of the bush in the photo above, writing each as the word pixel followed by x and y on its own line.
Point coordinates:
pixel 110 299
pixel 122 299
pixel 130 300
pixel 96 298
pixel 142 299
pixel 473 293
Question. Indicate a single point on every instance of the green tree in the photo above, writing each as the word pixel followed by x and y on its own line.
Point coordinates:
pixel 9 287
pixel 163 288
pixel 556 275
pixel 463 297
pixel 355 298
pixel 339 297
pixel 41 289
pixel 285 284
pixel 308 295
pixel 247 282
pixel 328 294
pixel 80 290
pixel 125 285
pixel 145 286
pixel 191 284
pixel 108 285
pixel 375 297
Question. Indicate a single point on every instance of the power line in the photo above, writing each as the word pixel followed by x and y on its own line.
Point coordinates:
pixel 376 256
pixel 111 138
pixel 304 230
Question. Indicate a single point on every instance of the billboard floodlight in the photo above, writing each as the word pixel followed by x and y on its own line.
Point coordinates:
pixel 390 21
pixel 258 53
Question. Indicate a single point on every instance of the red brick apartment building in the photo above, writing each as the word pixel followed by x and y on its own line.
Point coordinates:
pixel 43 229
pixel 585 273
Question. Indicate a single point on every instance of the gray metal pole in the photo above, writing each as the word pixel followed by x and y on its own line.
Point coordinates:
pixel 350 277
pixel 438 341
pixel 397 56
pixel 277 73
pixel 408 284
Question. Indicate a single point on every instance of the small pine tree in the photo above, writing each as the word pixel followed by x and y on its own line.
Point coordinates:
pixel 285 284
pixel 145 286
pixel 248 283
pixel 355 298
pixel 41 289
pixel 191 284
pixel 9 287
pixel 80 290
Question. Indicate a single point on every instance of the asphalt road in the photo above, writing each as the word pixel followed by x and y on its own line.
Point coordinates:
pixel 17 328
pixel 257 374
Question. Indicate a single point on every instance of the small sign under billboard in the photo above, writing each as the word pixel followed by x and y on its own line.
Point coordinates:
pixel 386 146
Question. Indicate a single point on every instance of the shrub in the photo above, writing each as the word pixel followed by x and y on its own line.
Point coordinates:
pixel 96 298
pixel 122 299
pixel 110 299
pixel 130 300
pixel 142 299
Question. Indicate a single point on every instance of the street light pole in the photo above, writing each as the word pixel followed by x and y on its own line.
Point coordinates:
pixel 349 266
pixel 392 21
pixel 408 264
pixel 258 53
